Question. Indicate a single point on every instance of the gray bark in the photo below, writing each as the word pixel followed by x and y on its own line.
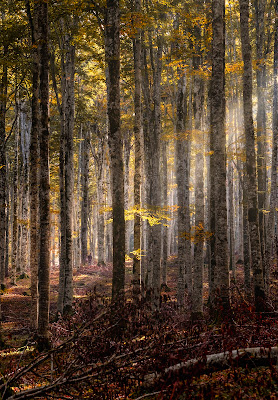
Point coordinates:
pixel 34 168
pixel 67 125
pixel 164 243
pixel 115 141
pixel 44 181
pixel 15 264
pixel 84 171
pixel 198 274
pixel 218 157
pixel 272 216
pixel 3 183
pixel 252 190
pixel 182 155
pixel 137 128
pixel 261 118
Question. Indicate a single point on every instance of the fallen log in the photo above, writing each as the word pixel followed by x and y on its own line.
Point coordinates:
pixel 251 357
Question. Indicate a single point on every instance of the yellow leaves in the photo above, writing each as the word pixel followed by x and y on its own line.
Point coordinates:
pixel 197 234
pixel 138 254
pixel 105 209
pixel 2 166
pixel 234 68
pixel 132 22
pixel 127 258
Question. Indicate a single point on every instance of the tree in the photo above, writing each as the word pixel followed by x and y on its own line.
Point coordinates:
pixel 66 165
pixel 252 191
pixel 44 178
pixel 182 155
pixel 115 142
pixel 138 154
pixel 218 157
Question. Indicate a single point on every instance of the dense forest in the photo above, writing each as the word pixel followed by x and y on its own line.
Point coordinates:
pixel 138 199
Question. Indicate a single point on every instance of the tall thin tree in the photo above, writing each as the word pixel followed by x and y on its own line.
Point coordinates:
pixel 115 142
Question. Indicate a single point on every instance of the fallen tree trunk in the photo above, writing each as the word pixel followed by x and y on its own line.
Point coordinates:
pixel 251 357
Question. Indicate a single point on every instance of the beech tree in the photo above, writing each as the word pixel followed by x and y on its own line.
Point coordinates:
pixel 44 192
pixel 115 142
pixel 252 197
pixel 218 157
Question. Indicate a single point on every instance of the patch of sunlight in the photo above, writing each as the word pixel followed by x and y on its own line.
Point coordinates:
pixel 80 296
pixel 80 277
pixel 28 349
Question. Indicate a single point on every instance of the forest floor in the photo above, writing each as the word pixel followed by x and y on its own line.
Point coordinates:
pixel 96 356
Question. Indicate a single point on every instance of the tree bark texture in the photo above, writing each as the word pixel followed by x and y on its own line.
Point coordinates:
pixel 3 183
pixel 252 188
pixel 198 274
pixel 261 118
pixel 115 141
pixel 85 144
pixel 218 142
pixel 67 173
pixel 182 155
pixel 273 191
pixel 137 128
pixel 44 193
pixel 34 167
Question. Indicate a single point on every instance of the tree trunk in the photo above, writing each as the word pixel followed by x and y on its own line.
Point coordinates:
pixel 127 148
pixel 15 264
pixel 164 180
pixel 3 183
pixel 67 173
pixel 252 191
pixel 34 168
pixel 44 193
pixel 115 141
pixel 197 297
pixel 137 128
pixel 182 152
pixel 261 119
pixel 218 142
pixel 25 146
pixel 84 195
pixel 273 191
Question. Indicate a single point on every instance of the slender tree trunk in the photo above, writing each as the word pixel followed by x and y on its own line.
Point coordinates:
pixel 7 232
pixel 67 173
pixel 252 191
pixel 34 168
pixel 127 148
pixel 3 170
pixel 197 298
pixel 231 212
pixel 3 227
pixel 246 240
pixel 147 169
pixel 155 186
pixel 115 141
pixel 218 141
pixel 68 106
pixel 182 152
pixel 84 196
pixel 164 179
pixel 273 193
pixel 137 128
pixel 261 119
pixel 44 193
pixel 62 252
pixel 15 267
pixel 25 146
